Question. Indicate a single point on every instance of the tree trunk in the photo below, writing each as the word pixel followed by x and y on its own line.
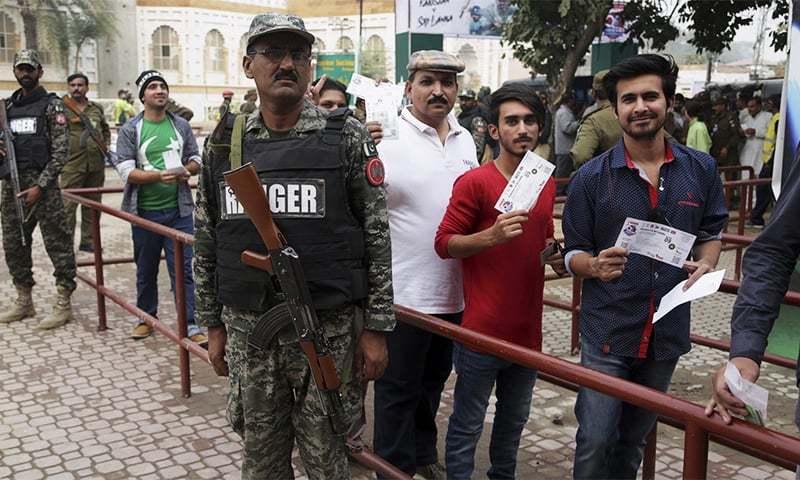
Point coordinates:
pixel 573 58
pixel 78 54
pixel 28 24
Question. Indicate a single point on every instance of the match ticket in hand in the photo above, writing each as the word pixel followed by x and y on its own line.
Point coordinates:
pixel 755 397
pixel 361 86
pixel 383 109
pixel 526 184
pixel 656 241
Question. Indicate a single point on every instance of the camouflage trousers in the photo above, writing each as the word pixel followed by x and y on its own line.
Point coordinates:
pixel 273 401
pixel 81 179
pixel 48 213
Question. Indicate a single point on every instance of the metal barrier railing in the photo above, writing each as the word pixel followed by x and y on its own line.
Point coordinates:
pixel 356 448
pixel 698 427
pixel 697 430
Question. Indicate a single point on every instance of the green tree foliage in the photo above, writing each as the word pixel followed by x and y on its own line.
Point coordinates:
pixel 553 37
pixel 67 23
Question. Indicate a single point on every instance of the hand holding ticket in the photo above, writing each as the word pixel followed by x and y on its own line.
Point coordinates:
pixel 755 397
pixel 656 241
pixel 526 184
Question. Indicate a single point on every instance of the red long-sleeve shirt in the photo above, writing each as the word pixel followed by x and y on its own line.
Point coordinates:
pixel 504 284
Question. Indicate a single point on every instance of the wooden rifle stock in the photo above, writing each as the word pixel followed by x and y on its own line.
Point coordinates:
pixel 323 369
pixel 247 187
pixel 256 260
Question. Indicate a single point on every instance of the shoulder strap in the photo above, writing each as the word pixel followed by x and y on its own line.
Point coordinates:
pixel 236 141
pixel 332 135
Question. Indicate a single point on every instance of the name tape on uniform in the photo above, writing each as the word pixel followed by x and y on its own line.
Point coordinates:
pixel 288 198
pixel 525 185
pixel 23 126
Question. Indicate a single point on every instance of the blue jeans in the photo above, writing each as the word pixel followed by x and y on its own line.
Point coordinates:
pixel 147 247
pixel 477 374
pixel 611 433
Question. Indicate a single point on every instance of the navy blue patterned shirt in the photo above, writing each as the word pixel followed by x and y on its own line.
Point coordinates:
pixel 616 315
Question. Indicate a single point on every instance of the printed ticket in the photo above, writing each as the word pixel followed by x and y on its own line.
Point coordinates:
pixel 526 184
pixel 656 241
pixel 383 109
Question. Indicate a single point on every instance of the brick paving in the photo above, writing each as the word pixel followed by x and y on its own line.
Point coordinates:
pixel 76 403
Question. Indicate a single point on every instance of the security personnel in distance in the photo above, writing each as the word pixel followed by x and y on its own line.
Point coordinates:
pixel 39 125
pixel 726 134
pixel 324 181
pixel 599 129
pixel 473 118
pixel 86 165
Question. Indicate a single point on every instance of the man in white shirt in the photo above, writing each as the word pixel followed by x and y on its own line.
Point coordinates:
pixel 421 166
pixel 754 127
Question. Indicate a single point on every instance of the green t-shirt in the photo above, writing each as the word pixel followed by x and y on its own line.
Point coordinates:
pixel 158 143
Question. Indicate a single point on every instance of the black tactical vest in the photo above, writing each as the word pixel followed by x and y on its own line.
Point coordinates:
pixel 305 182
pixel 28 120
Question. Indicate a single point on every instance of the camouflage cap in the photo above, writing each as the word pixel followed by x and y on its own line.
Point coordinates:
pixel 252 91
pixel 435 61
pixel 27 57
pixel 597 82
pixel 467 93
pixel 266 23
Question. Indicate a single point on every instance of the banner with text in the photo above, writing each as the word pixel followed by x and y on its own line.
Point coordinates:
pixel 338 66
pixel 483 18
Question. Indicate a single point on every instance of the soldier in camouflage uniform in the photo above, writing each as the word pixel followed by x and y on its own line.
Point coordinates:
pixel 86 166
pixel 39 124
pixel 599 129
pixel 249 105
pixel 272 402
pixel 473 118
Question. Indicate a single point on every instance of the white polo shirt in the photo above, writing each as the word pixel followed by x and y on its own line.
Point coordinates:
pixel 420 172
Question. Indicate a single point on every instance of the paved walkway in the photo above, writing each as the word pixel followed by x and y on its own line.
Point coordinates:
pixel 76 403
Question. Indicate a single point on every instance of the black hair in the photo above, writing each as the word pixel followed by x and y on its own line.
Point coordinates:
pixel 680 97
pixel 646 64
pixel 80 75
pixel 755 99
pixel 694 109
pixel 331 84
pixel 775 99
pixel 520 93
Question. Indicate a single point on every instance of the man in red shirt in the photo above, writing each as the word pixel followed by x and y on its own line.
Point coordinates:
pixel 503 285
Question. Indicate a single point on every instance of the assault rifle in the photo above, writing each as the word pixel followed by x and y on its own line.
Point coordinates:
pixel 93 133
pixel 11 160
pixel 283 264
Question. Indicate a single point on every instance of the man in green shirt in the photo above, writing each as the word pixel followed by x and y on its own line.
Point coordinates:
pixel 697 136
pixel 156 154
pixel 86 166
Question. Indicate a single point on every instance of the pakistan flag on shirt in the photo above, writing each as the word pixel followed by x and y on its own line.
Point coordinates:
pixel 159 149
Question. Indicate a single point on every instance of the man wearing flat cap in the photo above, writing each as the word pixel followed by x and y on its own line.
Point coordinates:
pixel 421 166
pixel 341 235
pixel 39 128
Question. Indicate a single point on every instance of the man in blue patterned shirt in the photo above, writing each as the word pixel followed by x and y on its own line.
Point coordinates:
pixel 644 177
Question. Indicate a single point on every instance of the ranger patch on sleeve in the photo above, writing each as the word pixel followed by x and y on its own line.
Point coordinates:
pixel 61 118
pixel 374 169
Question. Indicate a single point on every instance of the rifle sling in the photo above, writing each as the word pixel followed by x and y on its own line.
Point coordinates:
pixel 70 103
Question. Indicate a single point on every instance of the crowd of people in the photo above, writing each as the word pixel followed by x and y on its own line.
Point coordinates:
pixel 411 221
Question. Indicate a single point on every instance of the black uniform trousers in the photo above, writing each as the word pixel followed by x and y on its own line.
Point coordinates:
pixel 407 395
